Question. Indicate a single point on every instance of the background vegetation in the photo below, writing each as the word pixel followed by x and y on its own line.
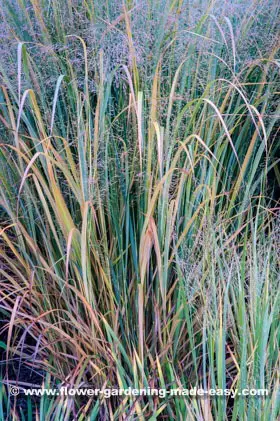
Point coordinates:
pixel 138 204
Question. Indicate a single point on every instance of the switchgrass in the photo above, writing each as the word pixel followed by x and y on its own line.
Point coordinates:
pixel 139 241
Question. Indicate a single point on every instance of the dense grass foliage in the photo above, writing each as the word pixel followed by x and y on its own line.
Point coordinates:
pixel 139 237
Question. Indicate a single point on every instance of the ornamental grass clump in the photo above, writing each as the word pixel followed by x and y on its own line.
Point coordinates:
pixel 139 238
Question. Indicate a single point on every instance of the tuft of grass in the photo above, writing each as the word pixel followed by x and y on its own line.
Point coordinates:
pixel 139 238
